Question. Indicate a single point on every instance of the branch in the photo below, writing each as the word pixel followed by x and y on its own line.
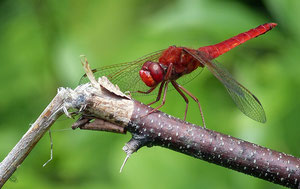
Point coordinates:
pixel 103 107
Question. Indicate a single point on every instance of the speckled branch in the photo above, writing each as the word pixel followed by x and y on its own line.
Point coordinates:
pixel 160 129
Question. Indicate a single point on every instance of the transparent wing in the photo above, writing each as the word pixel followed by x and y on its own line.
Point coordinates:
pixel 243 98
pixel 125 75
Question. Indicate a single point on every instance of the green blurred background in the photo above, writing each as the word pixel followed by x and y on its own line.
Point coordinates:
pixel 40 45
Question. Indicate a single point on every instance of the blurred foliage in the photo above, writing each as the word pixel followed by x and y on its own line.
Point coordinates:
pixel 40 46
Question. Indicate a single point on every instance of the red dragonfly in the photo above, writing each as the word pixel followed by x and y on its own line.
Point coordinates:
pixel 178 65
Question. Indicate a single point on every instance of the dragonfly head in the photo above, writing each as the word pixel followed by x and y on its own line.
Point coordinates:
pixel 152 73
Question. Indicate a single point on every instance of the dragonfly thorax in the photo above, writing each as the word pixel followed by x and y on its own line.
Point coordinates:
pixel 152 73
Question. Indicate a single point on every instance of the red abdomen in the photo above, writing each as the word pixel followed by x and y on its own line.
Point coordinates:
pixel 218 49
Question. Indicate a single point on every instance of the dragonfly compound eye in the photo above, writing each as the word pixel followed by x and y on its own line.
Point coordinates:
pixel 151 73
pixel 156 71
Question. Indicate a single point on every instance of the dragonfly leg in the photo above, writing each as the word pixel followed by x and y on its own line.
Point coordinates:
pixel 183 96
pixel 146 92
pixel 195 99
pixel 169 72
pixel 163 100
pixel 158 94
